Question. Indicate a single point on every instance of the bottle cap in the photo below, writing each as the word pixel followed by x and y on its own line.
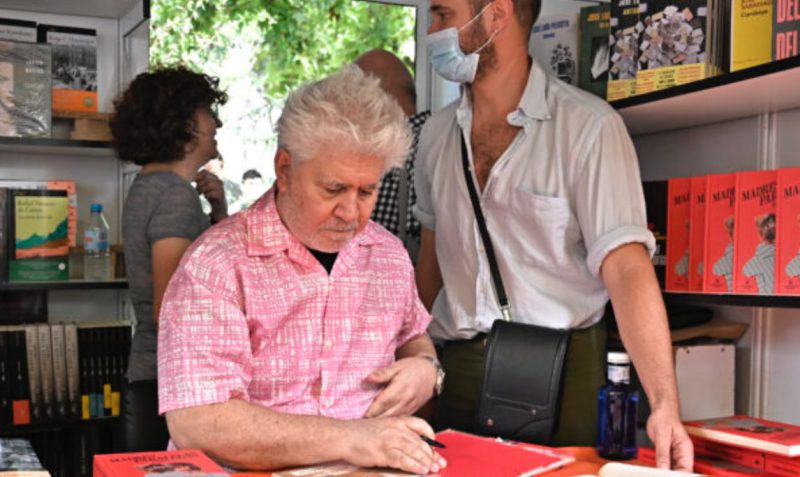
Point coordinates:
pixel 96 208
pixel 618 357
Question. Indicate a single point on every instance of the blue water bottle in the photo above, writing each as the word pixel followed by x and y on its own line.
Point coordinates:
pixel 617 411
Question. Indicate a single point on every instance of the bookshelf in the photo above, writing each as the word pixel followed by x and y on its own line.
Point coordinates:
pixel 55 147
pixel 769 87
pixel 729 299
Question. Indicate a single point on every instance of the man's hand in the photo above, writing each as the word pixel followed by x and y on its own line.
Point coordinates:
pixel 213 189
pixel 392 442
pixel 410 385
pixel 674 449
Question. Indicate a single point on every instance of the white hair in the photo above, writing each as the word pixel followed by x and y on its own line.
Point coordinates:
pixel 346 112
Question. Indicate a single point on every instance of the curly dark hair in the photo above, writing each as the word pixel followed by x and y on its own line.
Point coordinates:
pixel 153 118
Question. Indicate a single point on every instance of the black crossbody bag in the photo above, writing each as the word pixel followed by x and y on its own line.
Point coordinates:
pixel 523 364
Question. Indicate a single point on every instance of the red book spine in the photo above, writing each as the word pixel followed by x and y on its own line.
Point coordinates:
pixel 754 254
pixel 745 457
pixel 697 233
pixel 712 466
pixel 782 466
pixel 719 225
pixel 788 232
pixel 678 215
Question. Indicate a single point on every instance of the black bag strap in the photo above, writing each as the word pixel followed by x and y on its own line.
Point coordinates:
pixel 499 289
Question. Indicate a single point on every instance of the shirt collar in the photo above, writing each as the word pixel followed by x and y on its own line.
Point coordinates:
pixel 267 234
pixel 532 106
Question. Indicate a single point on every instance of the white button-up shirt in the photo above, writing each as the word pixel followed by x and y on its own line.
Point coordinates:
pixel 565 193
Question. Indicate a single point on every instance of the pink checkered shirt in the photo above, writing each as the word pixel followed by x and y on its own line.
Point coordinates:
pixel 251 314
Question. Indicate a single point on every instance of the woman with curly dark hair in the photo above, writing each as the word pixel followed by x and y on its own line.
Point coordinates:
pixel 165 122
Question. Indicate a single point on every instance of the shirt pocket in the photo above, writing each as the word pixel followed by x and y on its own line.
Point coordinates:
pixel 542 230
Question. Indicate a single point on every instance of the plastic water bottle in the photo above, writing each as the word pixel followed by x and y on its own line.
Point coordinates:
pixel 96 258
pixel 617 411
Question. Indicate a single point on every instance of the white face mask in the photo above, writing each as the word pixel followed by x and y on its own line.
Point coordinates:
pixel 447 57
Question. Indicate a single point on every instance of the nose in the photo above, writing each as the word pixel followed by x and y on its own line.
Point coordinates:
pixel 347 208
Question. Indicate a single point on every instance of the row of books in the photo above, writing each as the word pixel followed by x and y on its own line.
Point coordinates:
pixel 734 233
pixel 631 47
pixel 45 68
pixel 38 225
pixel 63 371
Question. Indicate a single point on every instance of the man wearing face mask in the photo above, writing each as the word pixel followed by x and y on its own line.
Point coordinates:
pixel 559 186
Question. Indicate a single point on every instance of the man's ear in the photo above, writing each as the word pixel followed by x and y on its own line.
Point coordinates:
pixel 283 169
pixel 501 14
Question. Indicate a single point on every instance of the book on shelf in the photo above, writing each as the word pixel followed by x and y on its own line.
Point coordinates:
pixel 750 34
pixel 678 228
pixel 38 227
pixel 12 29
pixel 786 29
pixel 697 233
pixel 72 360
pixel 623 43
pixel 655 199
pixel 720 227
pixel 74 67
pixel 676 43
pixel 24 89
pixel 140 464
pixel 16 369
pixel 750 433
pixel 5 382
pixel 754 255
pixel 787 240
pixel 65 185
pixel 60 403
pixel 18 459
pixel 554 45
pixel 34 379
pixel 5 197
pixel 46 371
pixel 594 51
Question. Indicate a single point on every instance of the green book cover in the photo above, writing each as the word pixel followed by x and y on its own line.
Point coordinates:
pixel 593 65
pixel 39 235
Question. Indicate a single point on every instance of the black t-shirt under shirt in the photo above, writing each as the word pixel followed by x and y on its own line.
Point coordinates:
pixel 324 258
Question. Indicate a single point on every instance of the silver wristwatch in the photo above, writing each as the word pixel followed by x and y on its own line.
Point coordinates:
pixel 437 387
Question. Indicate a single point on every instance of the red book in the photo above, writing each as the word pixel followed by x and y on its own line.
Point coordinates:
pixel 679 195
pixel 788 232
pixel 782 466
pixel 697 233
pixel 754 254
pixel 719 223
pixel 750 433
pixel 153 463
pixel 723 468
pixel 737 455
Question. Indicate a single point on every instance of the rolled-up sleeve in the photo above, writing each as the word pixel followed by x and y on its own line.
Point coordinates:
pixel 608 193
pixel 423 208
pixel 204 347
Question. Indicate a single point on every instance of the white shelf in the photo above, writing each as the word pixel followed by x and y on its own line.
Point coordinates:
pixel 766 88
pixel 83 8
pixel 63 147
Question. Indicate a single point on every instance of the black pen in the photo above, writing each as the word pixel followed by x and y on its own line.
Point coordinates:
pixel 433 443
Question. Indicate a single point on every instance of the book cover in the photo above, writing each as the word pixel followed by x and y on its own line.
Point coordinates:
pixel 754 253
pixel 17 454
pixel 143 464
pixel 697 233
pixel 623 41
pixel 750 34
pixel 65 185
pixel 24 89
pixel 34 379
pixel 554 45
pixel 787 229
pixel 720 228
pixel 745 457
pixel 675 43
pixel 678 215
pixel 39 229
pixel 74 67
pixel 782 466
pixel 655 199
pixel 12 29
pixel 594 51
pixel 786 29
pixel 749 432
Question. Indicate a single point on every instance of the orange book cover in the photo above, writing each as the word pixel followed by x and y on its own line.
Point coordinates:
pixel 678 215
pixel 746 457
pixel 697 233
pixel 750 433
pixel 720 226
pixel 754 253
pixel 782 466
pixel 787 225
pixel 192 462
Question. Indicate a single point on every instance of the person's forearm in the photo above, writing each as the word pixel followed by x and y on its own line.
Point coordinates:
pixel 247 436
pixel 642 321
pixel 419 346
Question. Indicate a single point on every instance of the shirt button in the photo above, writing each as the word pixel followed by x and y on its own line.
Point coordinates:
pixel 328 344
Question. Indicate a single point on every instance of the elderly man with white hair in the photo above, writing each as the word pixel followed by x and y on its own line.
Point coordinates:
pixel 292 333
